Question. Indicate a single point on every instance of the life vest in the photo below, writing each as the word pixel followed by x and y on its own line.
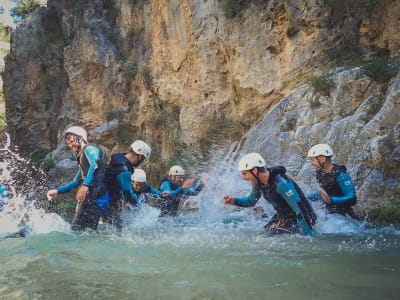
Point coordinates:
pixel 329 182
pixel 119 163
pixel 98 184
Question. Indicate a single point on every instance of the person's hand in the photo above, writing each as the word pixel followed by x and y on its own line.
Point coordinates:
pixel 204 178
pixel 51 194
pixel 81 194
pixel 187 183
pixel 165 194
pixel 228 199
pixel 324 195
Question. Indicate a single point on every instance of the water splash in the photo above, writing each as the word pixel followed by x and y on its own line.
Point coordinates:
pixel 26 184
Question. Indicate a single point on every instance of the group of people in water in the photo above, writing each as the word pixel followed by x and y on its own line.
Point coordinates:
pixel 105 191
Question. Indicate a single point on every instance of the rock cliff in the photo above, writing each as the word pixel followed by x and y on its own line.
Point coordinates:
pixel 186 74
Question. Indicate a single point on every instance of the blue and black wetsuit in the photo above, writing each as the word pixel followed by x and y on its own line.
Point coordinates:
pixel 170 204
pixel 148 189
pixel 118 177
pixel 291 206
pixel 3 196
pixel 96 202
pixel 340 188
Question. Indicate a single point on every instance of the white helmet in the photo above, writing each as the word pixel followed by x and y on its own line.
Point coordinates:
pixel 78 131
pixel 139 175
pixel 320 149
pixel 251 160
pixel 140 147
pixel 176 170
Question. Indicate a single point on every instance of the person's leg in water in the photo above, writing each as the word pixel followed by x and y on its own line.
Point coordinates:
pixel 278 225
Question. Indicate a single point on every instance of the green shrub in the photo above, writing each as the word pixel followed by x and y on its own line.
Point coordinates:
pixel 114 113
pixel 232 8
pixel 5 33
pixel 130 69
pixel 292 30
pixel 378 69
pixel 111 12
pixel 125 134
pixel 24 8
pixel 348 54
pixel 39 155
pixel 322 84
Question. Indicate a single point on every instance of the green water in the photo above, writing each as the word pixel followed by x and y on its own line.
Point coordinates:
pixel 200 261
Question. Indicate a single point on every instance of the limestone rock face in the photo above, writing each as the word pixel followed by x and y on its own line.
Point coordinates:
pixel 359 119
pixel 156 69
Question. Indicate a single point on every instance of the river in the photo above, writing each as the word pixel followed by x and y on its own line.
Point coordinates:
pixel 214 252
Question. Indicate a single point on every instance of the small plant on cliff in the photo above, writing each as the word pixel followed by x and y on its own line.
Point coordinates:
pixel 24 8
pixel 292 30
pixel 5 33
pixel 232 8
pixel 378 69
pixel 322 84
pixel 130 69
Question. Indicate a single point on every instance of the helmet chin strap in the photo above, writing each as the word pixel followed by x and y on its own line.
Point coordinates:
pixel 79 140
pixel 321 165
pixel 256 177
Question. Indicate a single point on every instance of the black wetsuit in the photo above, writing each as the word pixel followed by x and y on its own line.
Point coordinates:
pixel 170 204
pixel 286 219
pixel 118 177
pixel 340 188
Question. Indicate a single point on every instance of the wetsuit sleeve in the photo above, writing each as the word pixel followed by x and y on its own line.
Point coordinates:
pixel 194 190
pixel 165 186
pixel 347 187
pixel 154 191
pixel 314 197
pixel 93 155
pixel 127 193
pixel 70 185
pixel 3 192
pixel 250 200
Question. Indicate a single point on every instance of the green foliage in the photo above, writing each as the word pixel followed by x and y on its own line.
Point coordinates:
pixel 5 33
pixel 292 30
pixel 125 135
pixel 385 214
pixel 130 69
pixel 114 113
pixel 322 84
pixel 232 8
pixel 344 54
pixel 39 155
pixel 378 69
pixel 111 12
pixel 24 8
pixel 369 5
pixel 2 112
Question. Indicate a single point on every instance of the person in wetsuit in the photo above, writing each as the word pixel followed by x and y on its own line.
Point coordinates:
pixel 141 188
pixel 336 190
pixel 92 194
pixel 294 213
pixel 118 177
pixel 178 189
